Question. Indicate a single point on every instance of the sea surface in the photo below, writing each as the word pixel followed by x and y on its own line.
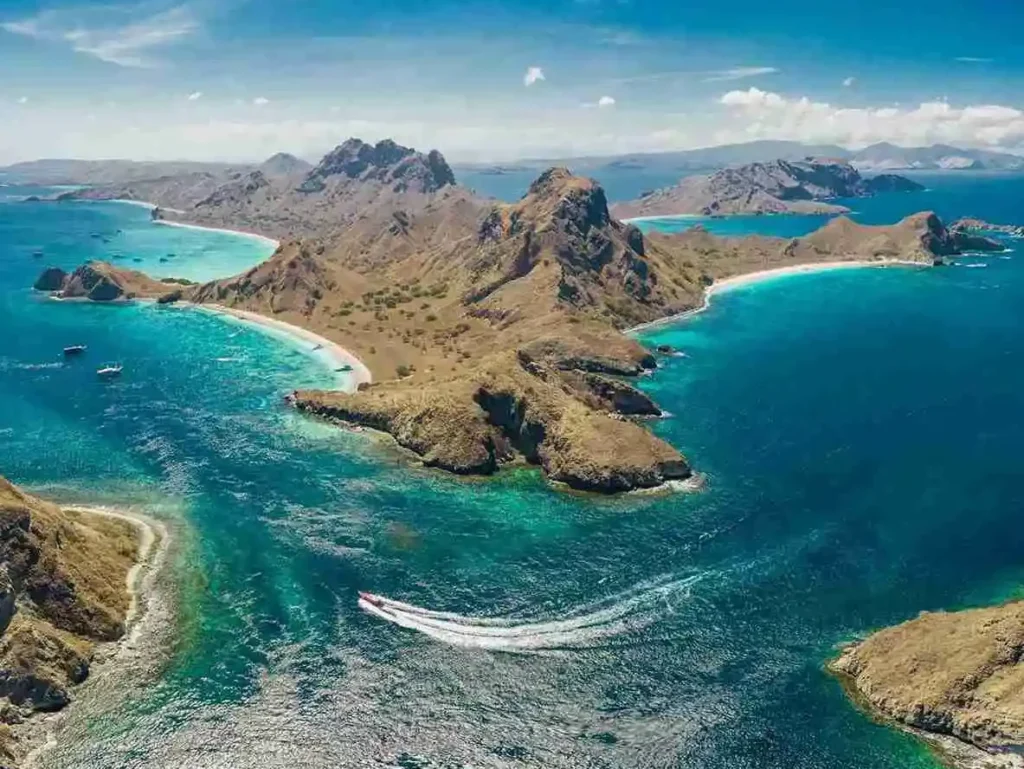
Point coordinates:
pixel 859 431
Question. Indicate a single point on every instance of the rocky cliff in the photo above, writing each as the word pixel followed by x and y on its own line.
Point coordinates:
pixel 780 186
pixel 62 590
pixel 950 673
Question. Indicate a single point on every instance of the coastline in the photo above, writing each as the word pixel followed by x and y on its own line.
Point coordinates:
pixel 748 278
pixel 227 230
pixel 224 230
pixel 329 353
pixel 40 731
pixel 951 751
pixel 664 217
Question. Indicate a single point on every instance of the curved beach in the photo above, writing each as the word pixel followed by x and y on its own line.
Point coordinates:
pixel 749 278
pixel 330 354
pixel 241 233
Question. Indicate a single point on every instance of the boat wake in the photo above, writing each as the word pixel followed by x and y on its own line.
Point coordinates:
pixel 586 627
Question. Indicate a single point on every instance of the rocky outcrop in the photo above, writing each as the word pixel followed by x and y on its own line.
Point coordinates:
pixel 387 162
pixel 62 590
pixel 885 183
pixel 51 279
pixel 507 413
pixel 776 187
pixel 950 673
pixel 972 226
pixel 100 282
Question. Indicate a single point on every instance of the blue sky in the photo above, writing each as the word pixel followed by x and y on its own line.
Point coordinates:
pixel 240 79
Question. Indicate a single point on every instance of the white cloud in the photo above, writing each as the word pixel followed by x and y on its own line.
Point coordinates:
pixel 195 96
pixel 973 59
pixel 261 101
pixel 602 103
pixel 23 100
pixel 849 81
pixel 738 73
pixel 757 114
pixel 533 74
pixel 116 34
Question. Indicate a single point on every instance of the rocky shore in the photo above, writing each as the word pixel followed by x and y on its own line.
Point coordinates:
pixel 66 589
pixel 493 331
pixel 951 674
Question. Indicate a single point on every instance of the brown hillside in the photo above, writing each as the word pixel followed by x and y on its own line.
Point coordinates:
pixel 62 589
pixel 494 331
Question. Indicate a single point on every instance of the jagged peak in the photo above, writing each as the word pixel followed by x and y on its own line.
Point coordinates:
pixel 387 161
pixel 556 197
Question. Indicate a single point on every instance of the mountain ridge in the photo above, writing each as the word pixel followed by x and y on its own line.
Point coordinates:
pixel 493 329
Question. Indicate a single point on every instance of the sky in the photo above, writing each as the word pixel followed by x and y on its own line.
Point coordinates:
pixel 238 80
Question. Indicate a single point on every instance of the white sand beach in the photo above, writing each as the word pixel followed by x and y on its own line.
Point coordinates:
pixel 330 354
pixel 241 233
pixel 153 543
pixel 739 281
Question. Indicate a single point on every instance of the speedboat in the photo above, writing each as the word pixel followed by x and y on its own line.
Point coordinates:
pixel 372 599
pixel 75 349
pixel 109 371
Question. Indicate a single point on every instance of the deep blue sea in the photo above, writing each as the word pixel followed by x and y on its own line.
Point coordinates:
pixel 858 429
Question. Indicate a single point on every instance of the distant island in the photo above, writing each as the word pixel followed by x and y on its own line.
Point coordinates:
pixel 874 158
pixel 776 187
pixel 493 331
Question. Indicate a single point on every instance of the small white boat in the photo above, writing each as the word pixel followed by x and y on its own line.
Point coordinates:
pixel 75 349
pixel 110 371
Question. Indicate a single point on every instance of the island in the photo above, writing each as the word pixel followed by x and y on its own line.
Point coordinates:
pixel 65 590
pixel 776 187
pixel 495 332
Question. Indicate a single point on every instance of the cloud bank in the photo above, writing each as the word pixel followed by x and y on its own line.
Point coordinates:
pixel 761 114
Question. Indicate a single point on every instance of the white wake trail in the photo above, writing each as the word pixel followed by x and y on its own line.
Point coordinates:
pixel 624 612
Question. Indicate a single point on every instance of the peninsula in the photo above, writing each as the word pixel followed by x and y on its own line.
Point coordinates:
pixel 953 674
pixel 63 590
pixel 494 332
pixel 776 187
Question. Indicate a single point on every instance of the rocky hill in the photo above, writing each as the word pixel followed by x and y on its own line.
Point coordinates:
pixel 494 331
pixel 283 164
pixel 286 198
pixel 780 186
pixel 62 590
pixel 955 673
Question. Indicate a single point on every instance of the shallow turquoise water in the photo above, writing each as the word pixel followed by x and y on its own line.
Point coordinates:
pixel 69 234
pixel 859 431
